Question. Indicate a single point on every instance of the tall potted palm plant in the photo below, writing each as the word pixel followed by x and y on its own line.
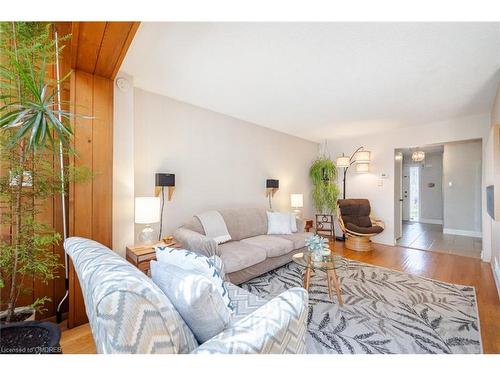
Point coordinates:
pixel 34 130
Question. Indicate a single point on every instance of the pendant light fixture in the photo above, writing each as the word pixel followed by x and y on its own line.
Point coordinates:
pixel 418 156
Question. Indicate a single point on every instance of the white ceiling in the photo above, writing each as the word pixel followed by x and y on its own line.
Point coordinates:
pixel 322 80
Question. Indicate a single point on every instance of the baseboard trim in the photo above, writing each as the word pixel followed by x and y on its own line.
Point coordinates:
pixel 460 232
pixel 495 267
pixel 430 221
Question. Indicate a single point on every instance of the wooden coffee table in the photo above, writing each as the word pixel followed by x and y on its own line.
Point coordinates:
pixel 328 264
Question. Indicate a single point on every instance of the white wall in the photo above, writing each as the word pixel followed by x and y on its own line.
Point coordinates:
pixel 218 161
pixel 382 146
pixel 431 198
pixel 123 165
pixel 462 188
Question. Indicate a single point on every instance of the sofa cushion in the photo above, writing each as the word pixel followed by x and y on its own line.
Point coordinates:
pixel 238 255
pixel 273 245
pixel 355 211
pixel 364 230
pixel 298 239
pixel 245 222
pixel 195 298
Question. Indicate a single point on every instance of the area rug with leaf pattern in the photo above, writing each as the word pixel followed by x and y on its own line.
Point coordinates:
pixel 385 311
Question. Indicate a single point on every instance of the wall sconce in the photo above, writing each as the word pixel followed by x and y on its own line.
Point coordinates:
pixel 165 180
pixel 162 181
pixel 272 187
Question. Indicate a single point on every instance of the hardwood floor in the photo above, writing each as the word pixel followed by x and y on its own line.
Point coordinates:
pixel 445 267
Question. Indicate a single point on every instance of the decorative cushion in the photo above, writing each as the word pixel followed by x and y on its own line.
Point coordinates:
pixel 237 255
pixel 364 230
pixel 298 239
pixel 193 262
pixel 195 298
pixel 278 223
pixel 273 245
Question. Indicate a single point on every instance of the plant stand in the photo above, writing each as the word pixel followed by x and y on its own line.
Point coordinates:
pixel 325 226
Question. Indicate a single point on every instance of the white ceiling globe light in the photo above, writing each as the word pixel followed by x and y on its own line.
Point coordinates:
pixel 418 156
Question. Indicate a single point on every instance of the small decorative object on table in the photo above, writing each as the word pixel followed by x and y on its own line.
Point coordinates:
pixel 318 246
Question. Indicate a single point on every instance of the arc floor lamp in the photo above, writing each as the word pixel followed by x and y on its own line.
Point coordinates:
pixel 360 157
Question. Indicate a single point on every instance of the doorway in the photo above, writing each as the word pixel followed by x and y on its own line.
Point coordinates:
pixel 436 205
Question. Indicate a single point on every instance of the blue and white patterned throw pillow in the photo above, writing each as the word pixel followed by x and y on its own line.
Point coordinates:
pixel 195 298
pixel 200 264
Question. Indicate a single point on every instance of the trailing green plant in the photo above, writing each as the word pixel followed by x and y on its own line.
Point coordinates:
pixel 325 192
pixel 31 131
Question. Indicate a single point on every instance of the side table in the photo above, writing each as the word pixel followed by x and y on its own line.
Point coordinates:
pixel 141 255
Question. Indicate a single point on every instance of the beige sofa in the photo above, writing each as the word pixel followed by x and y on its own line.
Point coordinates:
pixel 251 252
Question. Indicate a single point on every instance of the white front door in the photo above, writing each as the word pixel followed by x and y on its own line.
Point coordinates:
pixel 406 192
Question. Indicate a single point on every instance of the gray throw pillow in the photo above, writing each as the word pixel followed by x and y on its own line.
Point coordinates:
pixel 195 298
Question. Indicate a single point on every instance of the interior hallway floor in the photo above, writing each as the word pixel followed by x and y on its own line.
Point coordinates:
pixel 431 237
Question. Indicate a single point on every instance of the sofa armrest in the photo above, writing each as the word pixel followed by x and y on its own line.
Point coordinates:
pixel 278 327
pixel 197 242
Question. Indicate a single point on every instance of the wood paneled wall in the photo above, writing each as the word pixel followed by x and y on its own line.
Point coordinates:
pixel 97 51
pixel 90 202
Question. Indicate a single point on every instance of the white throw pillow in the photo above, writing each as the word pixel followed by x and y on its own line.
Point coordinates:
pixel 192 262
pixel 195 298
pixel 278 223
pixel 293 222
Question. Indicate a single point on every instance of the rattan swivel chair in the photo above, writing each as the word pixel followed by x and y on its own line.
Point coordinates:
pixel 355 221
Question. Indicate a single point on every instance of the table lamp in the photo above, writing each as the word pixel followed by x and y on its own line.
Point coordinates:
pixel 147 211
pixel 297 202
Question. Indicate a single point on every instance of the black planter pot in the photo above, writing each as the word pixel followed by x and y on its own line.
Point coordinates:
pixel 30 338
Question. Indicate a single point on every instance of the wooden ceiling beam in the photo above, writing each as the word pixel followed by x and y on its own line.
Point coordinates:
pixel 100 47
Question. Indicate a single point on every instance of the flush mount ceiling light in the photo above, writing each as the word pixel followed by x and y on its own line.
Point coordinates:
pixel 399 156
pixel 418 156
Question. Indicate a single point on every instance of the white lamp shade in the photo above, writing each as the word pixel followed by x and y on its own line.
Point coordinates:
pixel 362 167
pixel 343 162
pixel 147 210
pixel 363 156
pixel 297 200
